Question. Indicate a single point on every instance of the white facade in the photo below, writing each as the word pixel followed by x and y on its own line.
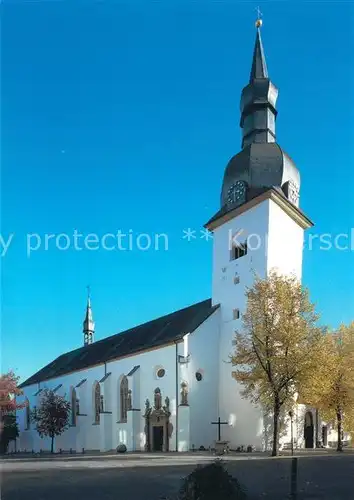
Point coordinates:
pixel 275 241
pixel 189 424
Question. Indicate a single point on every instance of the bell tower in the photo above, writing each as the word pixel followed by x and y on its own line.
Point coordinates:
pixel 259 228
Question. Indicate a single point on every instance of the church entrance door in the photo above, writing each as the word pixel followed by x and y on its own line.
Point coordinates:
pixel 309 430
pixel 157 424
pixel 324 435
pixel 158 435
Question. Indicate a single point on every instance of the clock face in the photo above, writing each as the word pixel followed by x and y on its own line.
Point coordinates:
pixel 236 192
pixel 293 193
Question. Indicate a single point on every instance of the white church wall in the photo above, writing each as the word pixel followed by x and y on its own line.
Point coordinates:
pixel 149 362
pixel 184 423
pixel 203 347
pixel 86 434
pixel 203 397
pixel 274 241
pixel 253 225
pixel 285 242
pixel 230 279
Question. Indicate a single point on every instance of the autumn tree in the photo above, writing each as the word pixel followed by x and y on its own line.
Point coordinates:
pixel 278 346
pixel 9 390
pixel 52 416
pixel 332 389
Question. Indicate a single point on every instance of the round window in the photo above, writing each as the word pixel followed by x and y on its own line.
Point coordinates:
pixel 161 372
pixel 198 376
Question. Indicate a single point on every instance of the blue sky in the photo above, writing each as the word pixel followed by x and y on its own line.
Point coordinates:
pixel 123 115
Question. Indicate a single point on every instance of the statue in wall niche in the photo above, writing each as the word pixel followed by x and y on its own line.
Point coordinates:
pixel 166 407
pixel 129 400
pixel 147 408
pixel 184 394
pixel 157 399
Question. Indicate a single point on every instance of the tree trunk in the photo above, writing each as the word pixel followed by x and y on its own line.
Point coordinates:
pixel 276 415
pixel 52 445
pixel 339 430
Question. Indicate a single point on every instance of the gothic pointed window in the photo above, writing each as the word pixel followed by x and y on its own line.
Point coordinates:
pixel 73 407
pixel 77 406
pixel 97 402
pixel 28 415
pixel 124 396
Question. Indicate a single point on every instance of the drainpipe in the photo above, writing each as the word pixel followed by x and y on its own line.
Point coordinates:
pixel 176 396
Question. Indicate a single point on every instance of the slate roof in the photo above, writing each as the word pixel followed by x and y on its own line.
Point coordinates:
pixel 259 65
pixel 254 193
pixel 155 333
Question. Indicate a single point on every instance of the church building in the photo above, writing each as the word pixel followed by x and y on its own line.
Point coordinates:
pixel 162 385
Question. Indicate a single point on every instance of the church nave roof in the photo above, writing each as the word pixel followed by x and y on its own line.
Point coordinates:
pixel 155 333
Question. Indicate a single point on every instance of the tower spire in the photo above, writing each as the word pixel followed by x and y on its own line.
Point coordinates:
pixel 258 100
pixel 88 324
pixel 261 164
pixel 259 65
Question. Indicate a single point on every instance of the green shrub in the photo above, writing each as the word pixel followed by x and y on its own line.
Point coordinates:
pixel 121 448
pixel 211 482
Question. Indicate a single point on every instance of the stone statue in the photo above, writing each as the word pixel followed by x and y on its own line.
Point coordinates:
pixel 157 399
pixel 147 408
pixel 184 394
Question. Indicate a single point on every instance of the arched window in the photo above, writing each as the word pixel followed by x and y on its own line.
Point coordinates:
pixel 97 402
pixel 124 390
pixel 73 406
pixel 28 415
pixel 77 406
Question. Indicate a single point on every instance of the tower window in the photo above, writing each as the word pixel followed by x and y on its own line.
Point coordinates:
pixel 236 313
pixel 236 280
pixel 239 251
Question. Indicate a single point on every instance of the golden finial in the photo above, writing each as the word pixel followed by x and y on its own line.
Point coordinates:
pixel 259 21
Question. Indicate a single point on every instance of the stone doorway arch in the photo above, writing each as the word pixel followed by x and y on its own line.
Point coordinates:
pixel 309 430
pixel 157 424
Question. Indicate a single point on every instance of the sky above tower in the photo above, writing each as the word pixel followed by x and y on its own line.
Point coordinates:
pixel 119 118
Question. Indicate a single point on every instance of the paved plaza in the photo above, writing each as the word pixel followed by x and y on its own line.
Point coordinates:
pixel 153 477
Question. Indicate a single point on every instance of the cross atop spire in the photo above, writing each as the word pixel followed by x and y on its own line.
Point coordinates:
pixel 259 21
pixel 88 296
pixel 259 66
